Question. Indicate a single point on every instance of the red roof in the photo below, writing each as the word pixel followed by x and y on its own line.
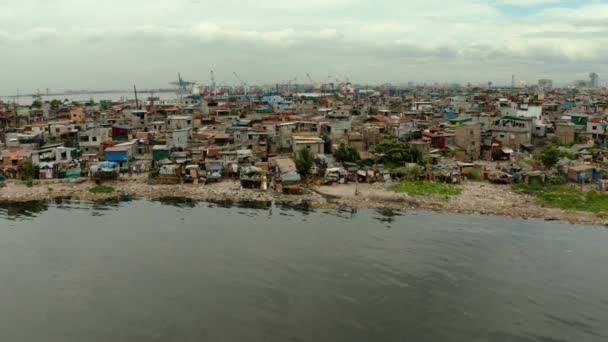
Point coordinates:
pixel 14 153
pixel 596 120
pixel 212 152
pixel 379 118
pixel 222 136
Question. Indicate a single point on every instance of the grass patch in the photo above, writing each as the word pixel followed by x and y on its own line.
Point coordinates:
pixel 100 189
pixel 567 197
pixel 427 188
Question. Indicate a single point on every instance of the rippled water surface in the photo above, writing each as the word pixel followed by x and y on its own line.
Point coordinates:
pixel 178 270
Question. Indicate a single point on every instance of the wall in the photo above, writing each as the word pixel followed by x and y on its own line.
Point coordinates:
pixel 468 138
pixel 315 148
pixel 565 132
pixel 178 139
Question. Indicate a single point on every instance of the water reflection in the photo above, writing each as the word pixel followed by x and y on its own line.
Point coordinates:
pixel 179 202
pixel 387 215
pixel 304 208
pixel 22 210
pixel 342 212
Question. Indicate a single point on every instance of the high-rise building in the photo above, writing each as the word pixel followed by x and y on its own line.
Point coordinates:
pixel 594 80
pixel 545 83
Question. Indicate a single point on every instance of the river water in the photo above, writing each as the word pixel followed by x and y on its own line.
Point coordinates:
pixel 173 270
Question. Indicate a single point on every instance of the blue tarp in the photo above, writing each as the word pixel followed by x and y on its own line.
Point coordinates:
pixel 449 114
pixel 116 156
pixel 568 104
pixel 106 165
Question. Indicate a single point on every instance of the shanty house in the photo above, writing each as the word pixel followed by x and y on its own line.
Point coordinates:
pixel 313 143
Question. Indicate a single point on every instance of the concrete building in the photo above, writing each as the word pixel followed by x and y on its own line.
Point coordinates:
pixel 546 84
pixel 468 140
pixel 178 122
pixel 313 143
pixel 91 138
pixel 137 119
pixel 565 131
pixel 54 154
pixel 512 131
pixel 178 139
pixel 594 80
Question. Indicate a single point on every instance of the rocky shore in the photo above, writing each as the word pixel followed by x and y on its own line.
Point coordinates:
pixel 477 198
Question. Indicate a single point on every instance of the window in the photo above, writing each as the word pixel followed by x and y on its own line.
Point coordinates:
pixel 188 122
pixel 94 139
pixel 64 155
pixel 594 128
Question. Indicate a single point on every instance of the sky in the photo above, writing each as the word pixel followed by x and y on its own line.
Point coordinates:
pixel 113 44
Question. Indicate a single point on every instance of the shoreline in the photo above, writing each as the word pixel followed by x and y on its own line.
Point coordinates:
pixel 477 198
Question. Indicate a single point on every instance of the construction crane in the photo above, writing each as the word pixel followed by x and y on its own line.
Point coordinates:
pixel 243 84
pixel 182 85
pixel 315 87
pixel 310 79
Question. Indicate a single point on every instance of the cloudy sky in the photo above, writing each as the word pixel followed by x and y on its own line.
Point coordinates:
pixel 68 44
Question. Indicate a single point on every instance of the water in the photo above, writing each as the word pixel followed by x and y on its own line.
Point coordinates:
pixel 118 96
pixel 186 271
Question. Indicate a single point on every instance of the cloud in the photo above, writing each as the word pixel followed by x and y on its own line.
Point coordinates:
pixel 451 39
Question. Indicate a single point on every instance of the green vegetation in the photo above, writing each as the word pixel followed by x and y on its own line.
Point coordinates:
pixel 550 155
pixel 28 170
pixel 475 174
pixel 567 197
pixel 346 154
pixel 37 104
pixel 100 189
pixel 409 173
pixel 395 152
pixel 427 188
pixel 55 104
pixel 304 161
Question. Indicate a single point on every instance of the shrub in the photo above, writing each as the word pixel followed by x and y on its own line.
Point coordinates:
pixel 304 161
pixel 475 174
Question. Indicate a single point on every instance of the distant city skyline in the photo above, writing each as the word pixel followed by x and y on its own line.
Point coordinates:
pixel 90 44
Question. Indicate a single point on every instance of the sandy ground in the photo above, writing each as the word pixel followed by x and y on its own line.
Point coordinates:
pixel 481 198
pixel 226 190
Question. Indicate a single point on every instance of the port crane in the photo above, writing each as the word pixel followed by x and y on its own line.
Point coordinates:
pixel 243 84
